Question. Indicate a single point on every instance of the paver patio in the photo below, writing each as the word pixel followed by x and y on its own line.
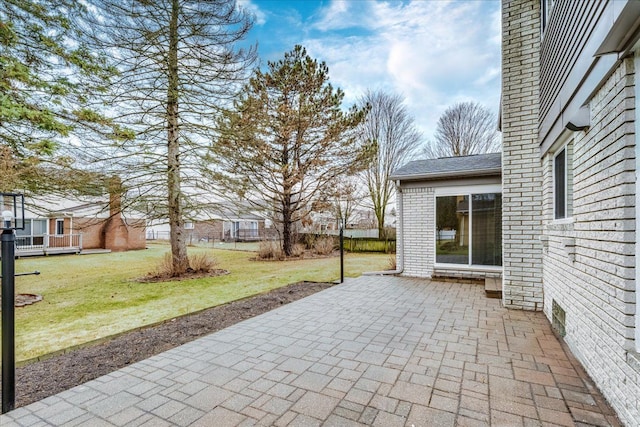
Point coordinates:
pixel 380 351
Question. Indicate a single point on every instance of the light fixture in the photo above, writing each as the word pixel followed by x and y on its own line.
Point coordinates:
pixel 7 217
pixel 12 207
pixel 580 121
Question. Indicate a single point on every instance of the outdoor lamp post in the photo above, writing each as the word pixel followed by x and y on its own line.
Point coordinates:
pixel 341 251
pixel 12 206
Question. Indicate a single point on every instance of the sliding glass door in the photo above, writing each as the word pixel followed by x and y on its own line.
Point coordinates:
pixel 469 229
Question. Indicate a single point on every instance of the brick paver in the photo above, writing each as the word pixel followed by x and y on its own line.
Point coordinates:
pixel 381 351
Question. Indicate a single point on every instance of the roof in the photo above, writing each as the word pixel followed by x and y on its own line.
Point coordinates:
pixel 228 212
pixel 450 167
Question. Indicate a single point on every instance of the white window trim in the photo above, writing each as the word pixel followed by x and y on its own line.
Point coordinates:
pixel 59 220
pixel 546 6
pixel 561 149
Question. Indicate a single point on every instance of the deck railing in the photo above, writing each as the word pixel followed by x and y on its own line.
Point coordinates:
pixel 49 242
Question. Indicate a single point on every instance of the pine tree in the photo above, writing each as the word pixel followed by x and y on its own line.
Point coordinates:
pixel 179 64
pixel 286 140
pixel 48 81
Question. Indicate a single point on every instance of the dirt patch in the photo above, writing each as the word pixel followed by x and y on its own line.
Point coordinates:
pixel 26 299
pixel 306 255
pixel 39 380
pixel 157 278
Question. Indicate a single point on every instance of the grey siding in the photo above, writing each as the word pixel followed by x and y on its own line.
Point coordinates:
pixel 571 69
pixel 562 50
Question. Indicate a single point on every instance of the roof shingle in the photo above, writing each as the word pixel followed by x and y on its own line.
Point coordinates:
pixel 475 165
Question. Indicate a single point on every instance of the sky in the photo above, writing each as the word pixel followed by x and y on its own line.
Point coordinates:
pixel 434 53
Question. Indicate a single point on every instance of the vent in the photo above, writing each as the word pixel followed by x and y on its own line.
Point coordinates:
pixel 558 317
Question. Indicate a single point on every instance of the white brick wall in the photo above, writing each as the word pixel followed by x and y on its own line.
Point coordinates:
pixel 418 235
pixel 522 171
pixel 597 288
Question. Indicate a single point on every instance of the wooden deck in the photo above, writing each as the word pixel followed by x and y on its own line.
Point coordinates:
pixel 47 251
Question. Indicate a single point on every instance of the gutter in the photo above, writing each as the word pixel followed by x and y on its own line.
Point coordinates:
pixel 399 241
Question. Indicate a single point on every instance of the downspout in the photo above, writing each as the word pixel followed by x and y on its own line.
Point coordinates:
pixel 399 240
pixel 636 63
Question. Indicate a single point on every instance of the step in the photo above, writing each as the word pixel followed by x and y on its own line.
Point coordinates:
pixel 493 287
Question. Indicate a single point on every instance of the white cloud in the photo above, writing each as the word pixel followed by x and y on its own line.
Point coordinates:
pixel 338 15
pixel 434 53
pixel 261 17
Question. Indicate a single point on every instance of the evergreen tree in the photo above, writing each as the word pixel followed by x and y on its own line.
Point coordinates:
pixel 287 139
pixel 178 65
pixel 48 80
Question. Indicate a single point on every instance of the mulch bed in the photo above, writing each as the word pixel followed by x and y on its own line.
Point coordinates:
pixel 187 276
pixel 53 375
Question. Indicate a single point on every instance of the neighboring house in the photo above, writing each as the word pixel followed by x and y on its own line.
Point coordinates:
pixel 570 164
pixel 218 222
pixel 55 225
pixel 361 224
pixel 363 219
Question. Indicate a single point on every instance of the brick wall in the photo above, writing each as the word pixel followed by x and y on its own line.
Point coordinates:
pixel 418 231
pixel 91 229
pixel 594 281
pixel 208 229
pixel 522 171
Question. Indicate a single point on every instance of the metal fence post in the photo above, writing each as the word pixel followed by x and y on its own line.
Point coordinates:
pixel 341 254
pixel 8 321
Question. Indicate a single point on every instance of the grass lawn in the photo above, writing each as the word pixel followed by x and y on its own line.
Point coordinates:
pixel 87 297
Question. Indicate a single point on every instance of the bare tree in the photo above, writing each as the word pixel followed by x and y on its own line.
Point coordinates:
pixel 341 198
pixel 179 65
pixel 463 129
pixel 287 139
pixel 395 138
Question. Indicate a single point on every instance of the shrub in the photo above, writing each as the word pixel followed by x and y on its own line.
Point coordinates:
pixel 298 250
pixel 309 240
pixel 388 233
pixel 323 245
pixel 165 267
pixel 450 246
pixel 202 262
pixel 198 263
pixel 392 264
pixel 270 249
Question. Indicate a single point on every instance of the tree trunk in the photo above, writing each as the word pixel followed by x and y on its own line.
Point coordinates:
pixel 286 225
pixel 179 260
pixel 380 218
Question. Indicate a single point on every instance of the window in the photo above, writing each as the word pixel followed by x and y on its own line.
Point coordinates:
pixel 188 225
pixel 39 227
pixel 469 229
pixel 562 183
pixel 33 233
pixel 253 229
pixel 545 8
pixel 23 237
pixel 59 226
